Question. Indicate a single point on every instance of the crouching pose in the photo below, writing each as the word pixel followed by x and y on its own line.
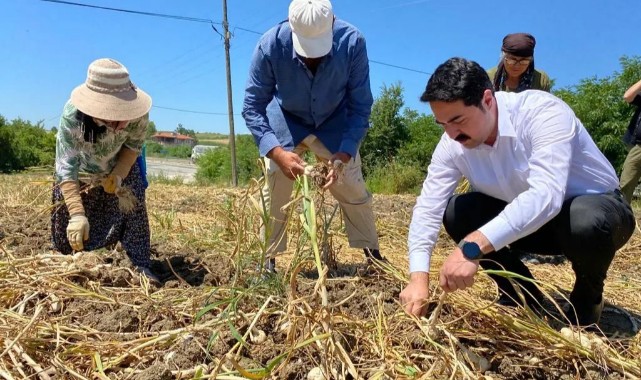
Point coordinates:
pixel 101 133
pixel 541 186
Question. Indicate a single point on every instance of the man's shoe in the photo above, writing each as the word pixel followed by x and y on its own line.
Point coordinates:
pixel 270 266
pixel 145 271
pixel 373 254
pixel 533 258
pixel 267 270
pixel 585 314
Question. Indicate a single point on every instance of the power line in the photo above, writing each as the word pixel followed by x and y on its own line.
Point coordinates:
pixel 206 21
pixel 191 111
pixel 177 62
pixel 247 30
pixel 211 22
pixel 173 76
pixel 371 60
pixel 399 67
pixel 184 18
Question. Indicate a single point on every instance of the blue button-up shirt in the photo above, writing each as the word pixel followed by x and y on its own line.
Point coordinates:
pixel 285 102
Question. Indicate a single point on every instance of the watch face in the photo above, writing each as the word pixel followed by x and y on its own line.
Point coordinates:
pixel 471 250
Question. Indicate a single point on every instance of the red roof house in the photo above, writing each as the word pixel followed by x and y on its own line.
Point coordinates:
pixel 173 138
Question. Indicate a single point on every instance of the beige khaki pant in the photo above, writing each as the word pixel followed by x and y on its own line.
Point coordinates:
pixel 350 192
pixel 631 172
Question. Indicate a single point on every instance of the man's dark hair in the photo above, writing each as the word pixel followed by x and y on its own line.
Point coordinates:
pixel 458 79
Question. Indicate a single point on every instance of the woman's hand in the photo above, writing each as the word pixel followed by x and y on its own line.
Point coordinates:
pixel 111 183
pixel 78 231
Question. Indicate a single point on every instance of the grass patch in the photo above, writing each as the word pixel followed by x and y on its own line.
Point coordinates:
pixel 162 178
pixel 395 178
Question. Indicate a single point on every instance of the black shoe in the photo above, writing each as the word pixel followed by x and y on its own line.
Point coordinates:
pixel 145 271
pixel 585 314
pixel 374 254
pixel 269 267
pixel 533 258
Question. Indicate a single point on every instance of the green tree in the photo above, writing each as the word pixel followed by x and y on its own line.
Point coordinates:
pixel 424 135
pixel 599 105
pixel 151 130
pixel 153 148
pixel 406 172
pixel 215 165
pixel 24 145
pixel 8 158
pixel 184 131
pixel 189 132
pixel 180 151
pixel 387 131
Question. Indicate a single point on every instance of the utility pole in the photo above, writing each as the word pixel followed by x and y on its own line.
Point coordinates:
pixel 230 106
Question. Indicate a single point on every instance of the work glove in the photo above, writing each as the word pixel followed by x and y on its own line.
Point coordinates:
pixel 126 159
pixel 78 227
pixel 111 183
pixel 78 231
pixel 71 194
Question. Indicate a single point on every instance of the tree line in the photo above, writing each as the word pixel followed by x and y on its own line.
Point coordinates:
pixel 397 148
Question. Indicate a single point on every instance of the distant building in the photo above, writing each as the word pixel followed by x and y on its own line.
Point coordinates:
pixel 173 138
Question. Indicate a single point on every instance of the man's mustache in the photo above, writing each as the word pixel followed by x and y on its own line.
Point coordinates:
pixel 462 137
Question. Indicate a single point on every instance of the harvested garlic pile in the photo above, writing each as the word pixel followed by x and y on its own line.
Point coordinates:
pixel 589 341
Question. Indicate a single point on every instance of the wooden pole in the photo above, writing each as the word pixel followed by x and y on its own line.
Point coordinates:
pixel 230 106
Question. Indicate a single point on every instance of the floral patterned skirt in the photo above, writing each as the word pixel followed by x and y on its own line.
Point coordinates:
pixel 107 224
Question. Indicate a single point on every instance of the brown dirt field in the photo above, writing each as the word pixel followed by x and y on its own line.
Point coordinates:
pixel 215 317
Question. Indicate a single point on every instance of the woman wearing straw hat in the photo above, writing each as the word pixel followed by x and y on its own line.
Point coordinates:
pixel 101 132
pixel 515 72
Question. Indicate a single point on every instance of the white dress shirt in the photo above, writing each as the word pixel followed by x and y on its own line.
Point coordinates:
pixel 542 156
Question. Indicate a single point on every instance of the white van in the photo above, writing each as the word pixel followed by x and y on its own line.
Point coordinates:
pixel 199 150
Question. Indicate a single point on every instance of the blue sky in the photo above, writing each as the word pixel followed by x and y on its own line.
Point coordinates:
pixel 47 47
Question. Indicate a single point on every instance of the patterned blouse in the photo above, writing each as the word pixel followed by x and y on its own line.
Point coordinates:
pixel 74 155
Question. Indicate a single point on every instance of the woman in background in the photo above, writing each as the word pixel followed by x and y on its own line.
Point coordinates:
pixel 515 72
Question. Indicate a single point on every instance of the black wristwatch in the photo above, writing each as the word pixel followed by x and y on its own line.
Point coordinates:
pixel 470 249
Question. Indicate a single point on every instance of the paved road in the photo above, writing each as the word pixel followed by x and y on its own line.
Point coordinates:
pixel 171 168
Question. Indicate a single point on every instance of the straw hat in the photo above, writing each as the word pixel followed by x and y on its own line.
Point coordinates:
pixel 108 93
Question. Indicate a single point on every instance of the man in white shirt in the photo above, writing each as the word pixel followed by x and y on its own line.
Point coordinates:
pixel 541 186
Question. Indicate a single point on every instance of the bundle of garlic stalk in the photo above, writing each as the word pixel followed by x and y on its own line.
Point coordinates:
pixel 127 201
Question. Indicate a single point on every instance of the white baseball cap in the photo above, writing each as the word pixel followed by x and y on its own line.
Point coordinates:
pixel 311 22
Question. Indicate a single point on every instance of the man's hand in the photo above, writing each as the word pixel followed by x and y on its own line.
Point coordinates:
pixel 289 162
pixel 457 272
pixel 336 163
pixel 112 183
pixel 77 231
pixel 414 296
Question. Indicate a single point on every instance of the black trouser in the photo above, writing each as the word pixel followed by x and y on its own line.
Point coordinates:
pixel 588 230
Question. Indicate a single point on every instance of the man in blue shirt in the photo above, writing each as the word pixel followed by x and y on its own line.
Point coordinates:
pixel 308 89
